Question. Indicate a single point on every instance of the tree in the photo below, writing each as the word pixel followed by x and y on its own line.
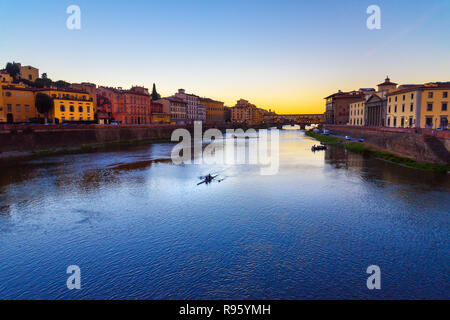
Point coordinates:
pixel 155 95
pixel 13 69
pixel 43 82
pixel 44 104
pixel 61 84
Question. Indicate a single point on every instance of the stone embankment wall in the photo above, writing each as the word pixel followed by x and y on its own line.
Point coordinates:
pixel 421 145
pixel 27 138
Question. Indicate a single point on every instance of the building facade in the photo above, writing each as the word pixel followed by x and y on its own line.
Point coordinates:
pixel 419 106
pixel 338 106
pixel 131 106
pixel 245 112
pixel 17 104
pixel 160 113
pixel 69 105
pixel 176 108
pixel 195 110
pixel 89 88
pixel 29 73
pixel 214 110
pixel 357 113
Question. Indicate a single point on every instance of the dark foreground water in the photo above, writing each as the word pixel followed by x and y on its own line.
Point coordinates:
pixel 140 227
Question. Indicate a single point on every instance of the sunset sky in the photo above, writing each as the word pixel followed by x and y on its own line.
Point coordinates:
pixel 281 55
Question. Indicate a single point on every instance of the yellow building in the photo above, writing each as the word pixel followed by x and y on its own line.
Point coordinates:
pixel 70 105
pixel 17 104
pixel 434 111
pixel 5 77
pixel 419 106
pixel 357 113
pixel 214 110
pixel 160 117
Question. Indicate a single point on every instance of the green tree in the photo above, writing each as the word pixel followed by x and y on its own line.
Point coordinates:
pixel 44 104
pixel 155 95
pixel 13 69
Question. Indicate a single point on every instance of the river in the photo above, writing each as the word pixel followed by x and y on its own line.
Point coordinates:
pixel 139 227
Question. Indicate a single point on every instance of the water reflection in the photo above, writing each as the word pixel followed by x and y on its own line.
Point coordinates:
pixel 141 227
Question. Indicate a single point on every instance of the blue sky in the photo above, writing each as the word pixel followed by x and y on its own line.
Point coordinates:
pixel 284 55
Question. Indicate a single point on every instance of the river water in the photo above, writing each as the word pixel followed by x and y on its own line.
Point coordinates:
pixel 139 227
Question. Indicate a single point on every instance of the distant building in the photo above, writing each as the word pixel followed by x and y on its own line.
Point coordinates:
pixel 195 111
pixel 89 88
pixel 176 107
pixel 214 110
pixel 104 110
pixel 226 114
pixel 29 73
pixel 159 114
pixel 131 106
pixel 338 106
pixel 245 112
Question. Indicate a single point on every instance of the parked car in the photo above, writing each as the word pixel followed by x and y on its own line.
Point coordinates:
pixel 362 139
pixel 348 138
pixel 326 132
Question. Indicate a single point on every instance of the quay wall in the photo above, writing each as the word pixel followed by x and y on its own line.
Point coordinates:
pixel 420 144
pixel 29 138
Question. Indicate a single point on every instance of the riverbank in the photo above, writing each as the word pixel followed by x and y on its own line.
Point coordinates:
pixel 85 148
pixel 385 155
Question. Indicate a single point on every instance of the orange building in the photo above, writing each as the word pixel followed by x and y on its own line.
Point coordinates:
pixel 214 110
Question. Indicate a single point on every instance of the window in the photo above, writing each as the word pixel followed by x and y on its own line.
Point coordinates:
pixel 429 122
pixel 18 107
pixel 27 108
pixel 80 109
pixel 395 121
pixel 72 109
pixel 445 94
pixel 389 99
pixel 395 99
pixel 389 109
pixel 444 106
pixel 88 109
pixel 403 107
pixel 402 122
pixel 430 95
pixel 62 108
pixel 8 94
pixel 81 118
pixel 389 122
pixel 412 95
pixel 444 122
pixel 430 105
pixel 411 107
pixel 404 97
pixel 9 107
pixel 410 122
pixel 72 118
pixel 395 108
